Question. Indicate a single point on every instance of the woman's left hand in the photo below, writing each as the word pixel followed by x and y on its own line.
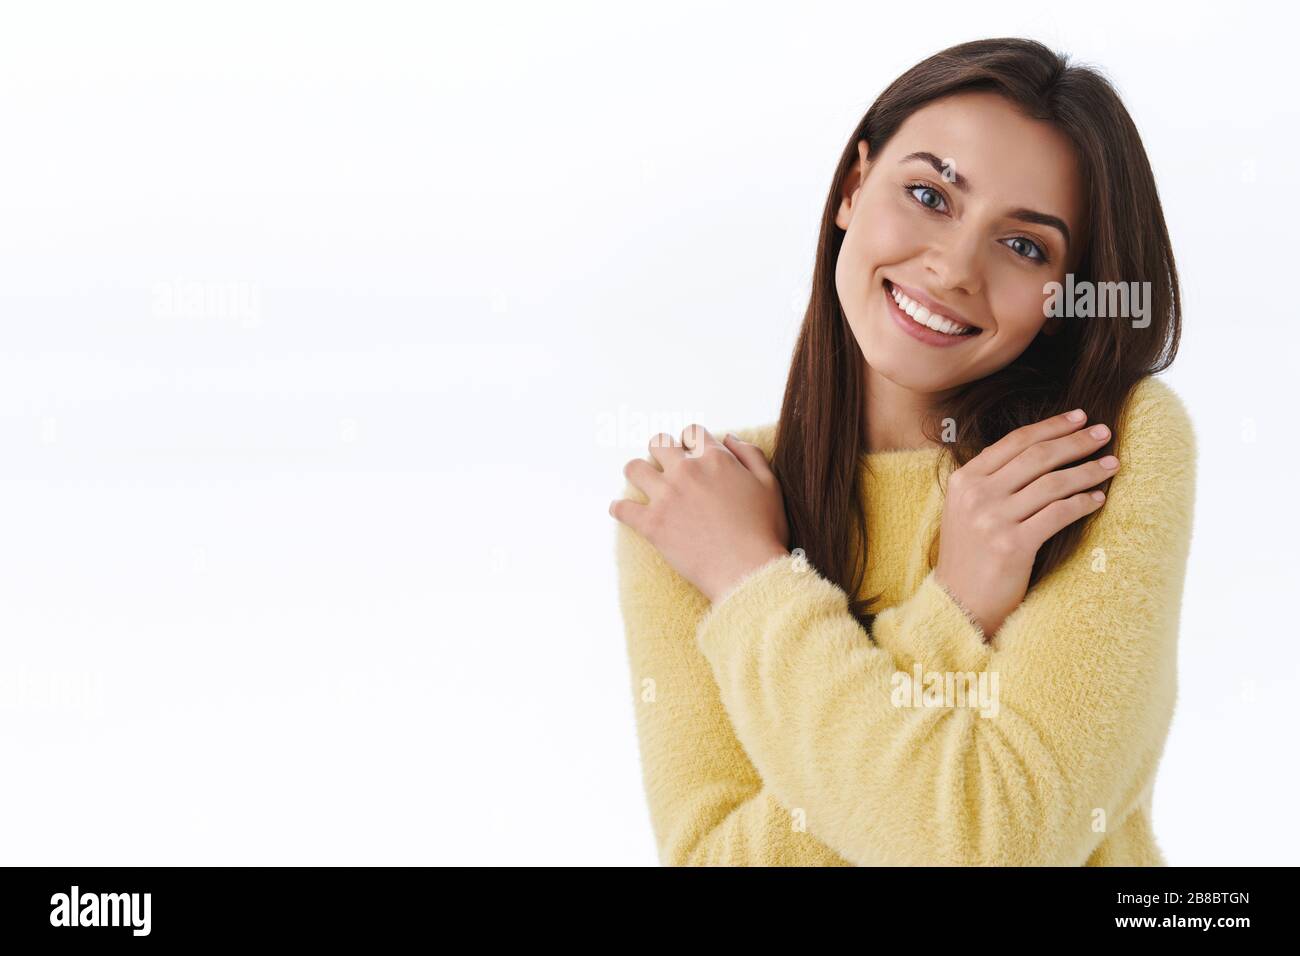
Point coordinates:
pixel 715 512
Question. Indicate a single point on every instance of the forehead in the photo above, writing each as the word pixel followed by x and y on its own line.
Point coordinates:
pixel 1008 157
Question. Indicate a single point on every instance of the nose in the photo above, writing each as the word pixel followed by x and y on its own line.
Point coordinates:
pixel 954 261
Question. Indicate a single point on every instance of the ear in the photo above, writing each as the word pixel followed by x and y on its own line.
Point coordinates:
pixel 852 183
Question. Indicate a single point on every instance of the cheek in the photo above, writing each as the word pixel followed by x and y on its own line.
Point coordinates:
pixel 881 235
pixel 892 236
pixel 1019 310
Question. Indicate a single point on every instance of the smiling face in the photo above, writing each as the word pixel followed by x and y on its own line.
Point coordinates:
pixel 959 221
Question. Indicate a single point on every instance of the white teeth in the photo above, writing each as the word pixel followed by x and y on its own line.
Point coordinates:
pixel 924 316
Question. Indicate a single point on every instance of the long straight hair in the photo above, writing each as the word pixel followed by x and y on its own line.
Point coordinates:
pixel 821 432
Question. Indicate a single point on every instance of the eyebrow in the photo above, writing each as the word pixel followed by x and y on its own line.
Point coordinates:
pixel 961 182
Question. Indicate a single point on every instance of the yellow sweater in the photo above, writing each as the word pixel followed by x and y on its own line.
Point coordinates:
pixel 771 725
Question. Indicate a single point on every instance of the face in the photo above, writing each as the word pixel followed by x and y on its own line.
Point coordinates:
pixel 960 220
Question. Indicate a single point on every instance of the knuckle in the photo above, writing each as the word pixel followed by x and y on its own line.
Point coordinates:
pixel 1060 509
pixel 1056 483
pixel 1039 455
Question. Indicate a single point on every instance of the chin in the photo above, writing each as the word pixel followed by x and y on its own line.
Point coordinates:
pixel 894 361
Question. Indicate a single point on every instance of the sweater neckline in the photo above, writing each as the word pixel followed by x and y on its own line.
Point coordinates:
pixel 903 452
pixel 902 456
pixel 898 462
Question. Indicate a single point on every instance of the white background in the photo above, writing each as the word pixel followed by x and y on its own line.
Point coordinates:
pixel 316 567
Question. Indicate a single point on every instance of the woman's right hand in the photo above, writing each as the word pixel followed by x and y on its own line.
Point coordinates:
pixel 1008 500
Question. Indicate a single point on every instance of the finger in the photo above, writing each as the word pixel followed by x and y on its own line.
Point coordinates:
pixel 1061 484
pixel 695 438
pixel 666 450
pixel 644 476
pixel 1016 441
pixel 630 513
pixel 750 455
pixel 1040 459
pixel 1055 516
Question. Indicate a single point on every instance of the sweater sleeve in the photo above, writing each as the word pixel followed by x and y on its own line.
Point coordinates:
pixel 707 804
pixel 1077 695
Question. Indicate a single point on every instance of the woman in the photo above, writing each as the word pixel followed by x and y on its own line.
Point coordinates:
pixel 930 615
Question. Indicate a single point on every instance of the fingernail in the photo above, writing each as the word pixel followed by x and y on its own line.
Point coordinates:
pixel 1099 496
pixel 1098 431
pixel 1076 416
pixel 1110 461
pixel 732 437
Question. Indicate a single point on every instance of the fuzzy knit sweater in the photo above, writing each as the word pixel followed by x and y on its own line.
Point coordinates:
pixel 772 729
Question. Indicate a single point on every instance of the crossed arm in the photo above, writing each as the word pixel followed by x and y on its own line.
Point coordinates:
pixel 771 734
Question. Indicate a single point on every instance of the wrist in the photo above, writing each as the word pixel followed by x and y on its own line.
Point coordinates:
pixel 745 564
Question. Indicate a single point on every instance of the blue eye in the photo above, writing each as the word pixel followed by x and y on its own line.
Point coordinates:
pixel 1027 248
pixel 930 197
pixel 933 199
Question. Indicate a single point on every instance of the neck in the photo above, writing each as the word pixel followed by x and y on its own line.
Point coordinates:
pixel 894 414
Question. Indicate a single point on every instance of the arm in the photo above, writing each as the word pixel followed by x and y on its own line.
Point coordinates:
pixel 707 804
pixel 1085 669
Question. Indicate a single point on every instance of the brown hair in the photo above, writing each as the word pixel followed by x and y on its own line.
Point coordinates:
pixel 821 433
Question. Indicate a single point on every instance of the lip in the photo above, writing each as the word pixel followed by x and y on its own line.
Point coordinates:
pixel 914 328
